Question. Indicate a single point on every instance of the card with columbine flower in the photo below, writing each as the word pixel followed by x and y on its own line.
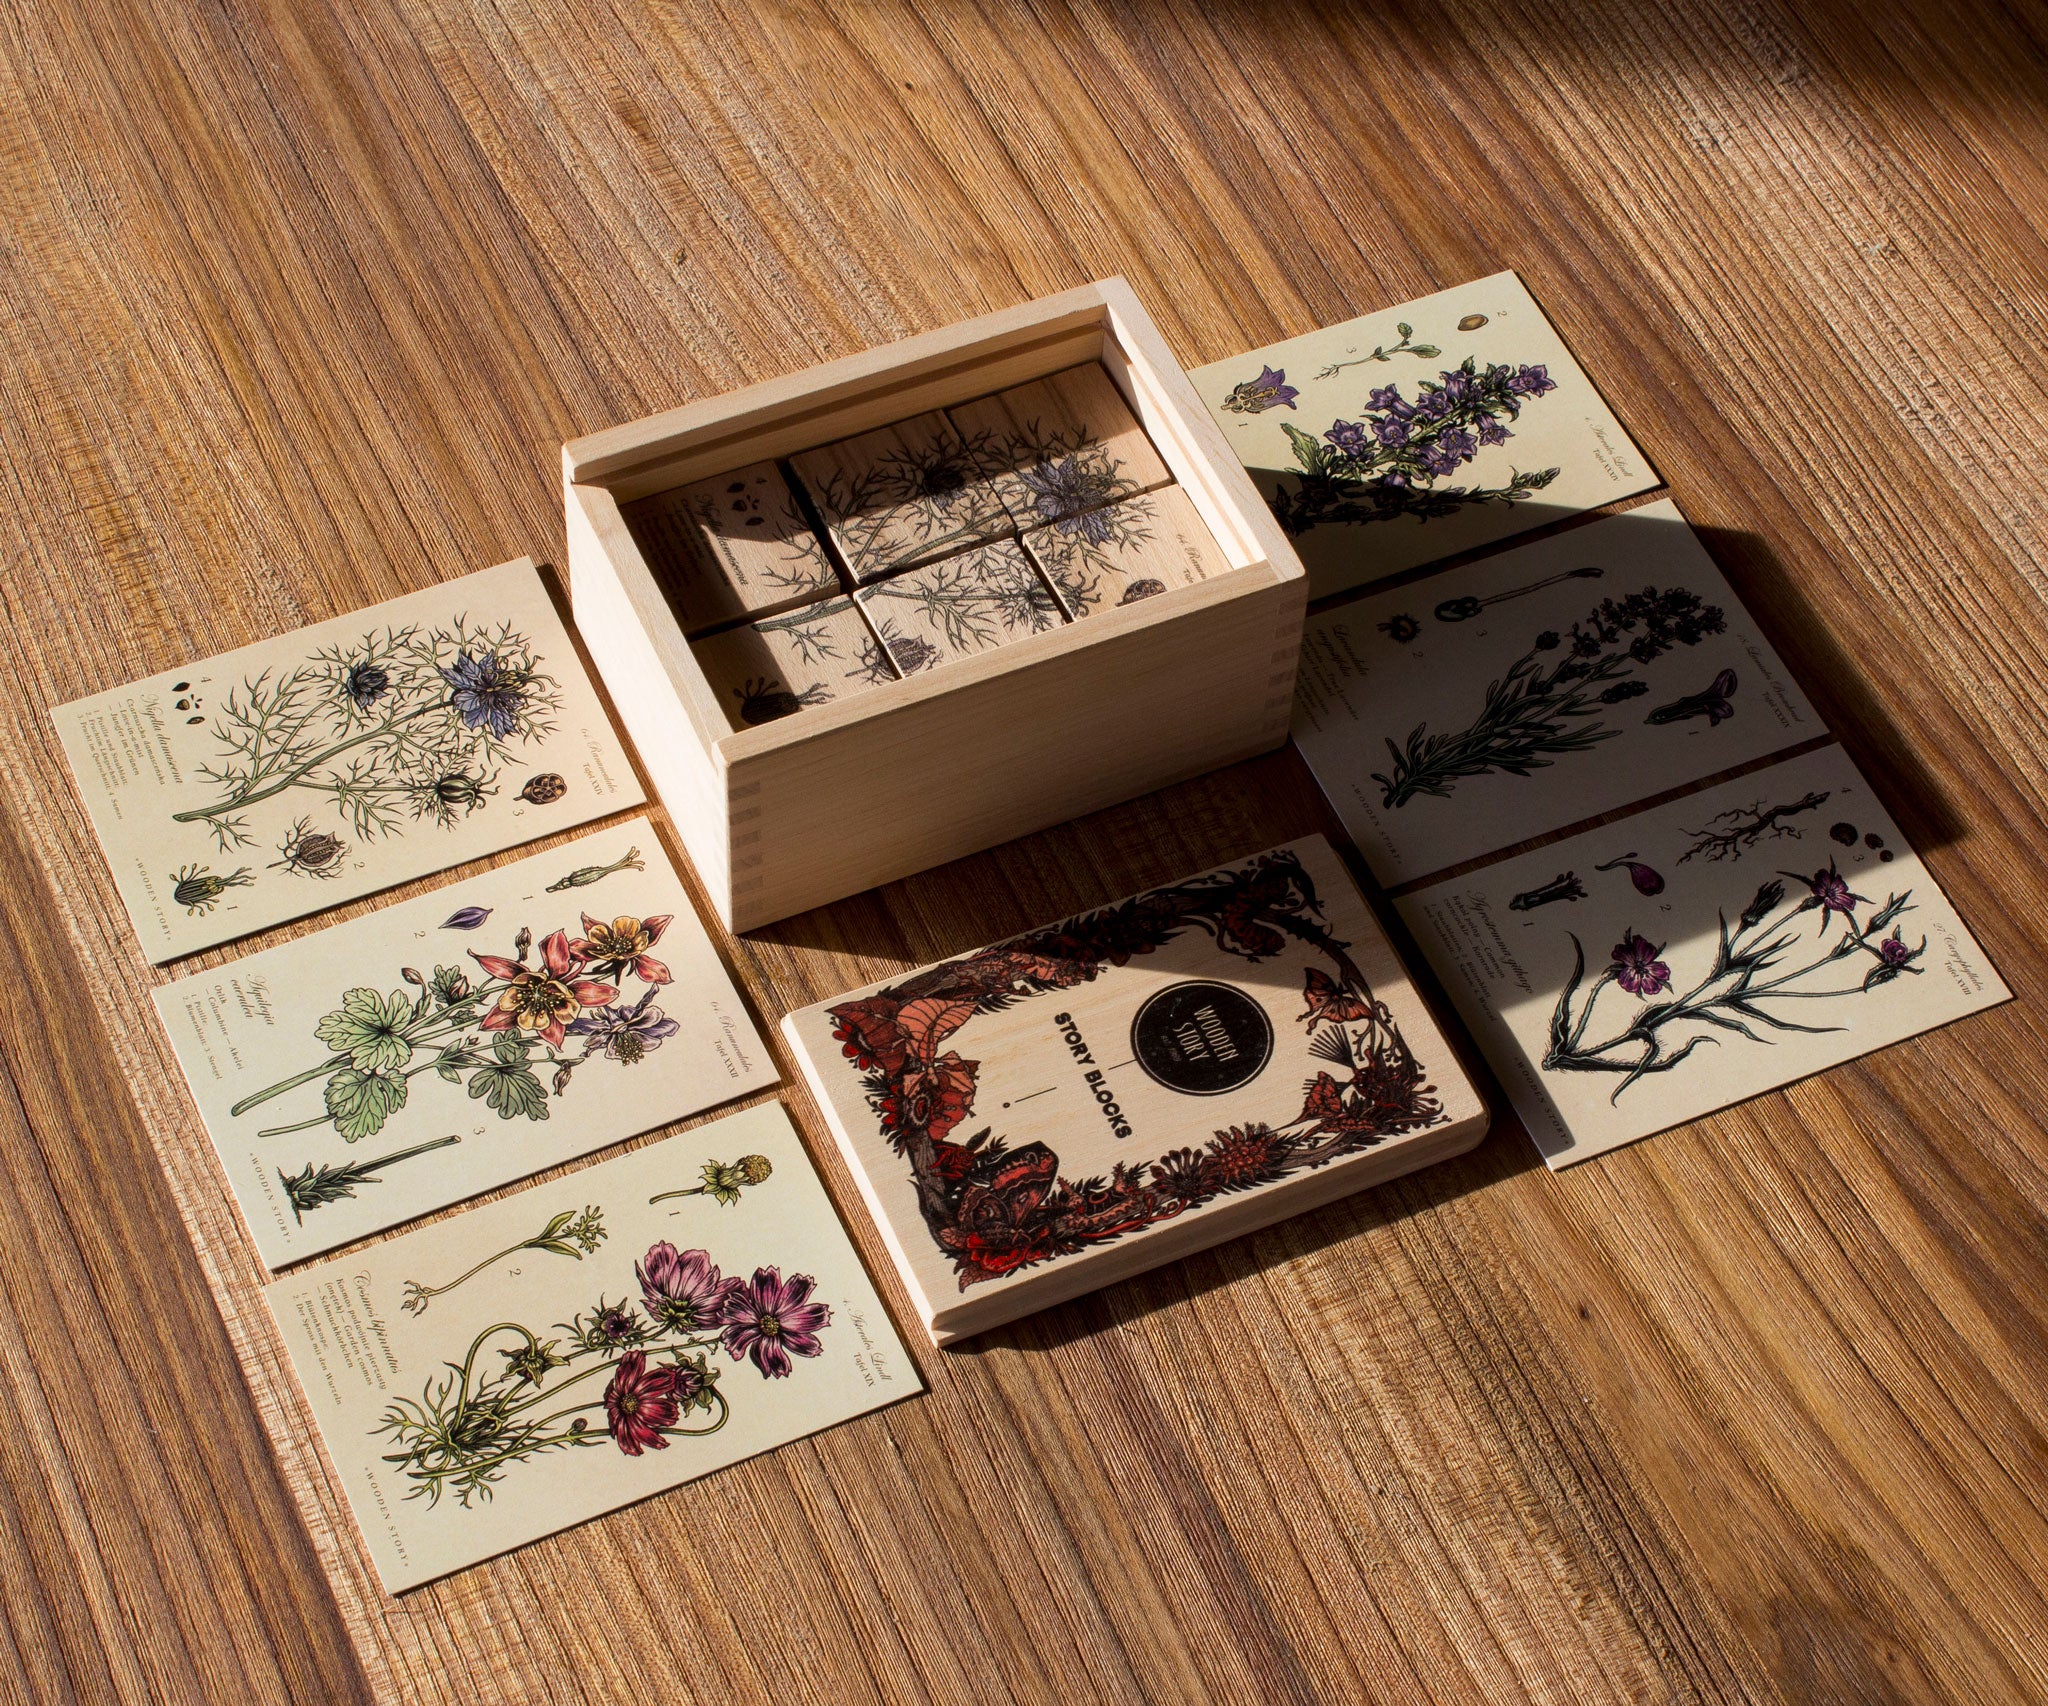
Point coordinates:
pixel 235 792
pixel 1669 964
pixel 1400 438
pixel 1474 709
pixel 363 1075
pixel 517 1369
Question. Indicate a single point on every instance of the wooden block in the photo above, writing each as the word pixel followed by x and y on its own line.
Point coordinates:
pixel 1060 445
pixel 1078 1104
pixel 813 655
pixel 902 494
pixel 960 605
pixel 734 546
pixel 1126 552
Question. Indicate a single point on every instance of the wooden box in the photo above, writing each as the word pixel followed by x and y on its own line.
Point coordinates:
pixel 843 796
pixel 1062 1110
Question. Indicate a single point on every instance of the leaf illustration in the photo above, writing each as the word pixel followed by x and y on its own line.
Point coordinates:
pixel 360 1102
pixel 510 1089
pixel 1310 452
pixel 369 1030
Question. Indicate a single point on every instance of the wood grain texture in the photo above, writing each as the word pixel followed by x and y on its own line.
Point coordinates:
pixel 299 303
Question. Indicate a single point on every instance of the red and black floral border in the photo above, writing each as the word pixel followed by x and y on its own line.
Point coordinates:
pixel 996 1210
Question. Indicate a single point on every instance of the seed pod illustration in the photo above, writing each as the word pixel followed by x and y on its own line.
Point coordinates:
pixel 544 789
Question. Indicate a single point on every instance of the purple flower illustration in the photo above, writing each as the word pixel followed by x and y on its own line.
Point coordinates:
pixel 683 1290
pixel 1390 462
pixel 485 694
pixel 1350 438
pixel 624 1034
pixel 1638 969
pixel 1892 951
pixel 771 1318
pixel 1828 890
pixel 365 684
pixel 1069 491
pixel 1269 391
pixel 467 918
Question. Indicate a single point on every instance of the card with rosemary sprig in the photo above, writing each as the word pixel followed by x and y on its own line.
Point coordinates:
pixel 1403 437
pixel 365 1074
pixel 1671 963
pixel 1469 711
pixel 235 792
pixel 519 1368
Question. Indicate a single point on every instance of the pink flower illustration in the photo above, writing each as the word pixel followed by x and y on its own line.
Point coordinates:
pixel 683 1290
pixel 772 1318
pixel 639 1403
pixel 1829 890
pixel 542 998
pixel 1638 969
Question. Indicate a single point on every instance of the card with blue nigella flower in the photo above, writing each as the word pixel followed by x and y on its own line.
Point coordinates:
pixel 234 792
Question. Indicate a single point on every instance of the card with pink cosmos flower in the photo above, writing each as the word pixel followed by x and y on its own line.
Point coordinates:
pixel 518 1368
pixel 1672 963
pixel 1404 437
pixel 234 792
pixel 365 1074
pixel 1474 709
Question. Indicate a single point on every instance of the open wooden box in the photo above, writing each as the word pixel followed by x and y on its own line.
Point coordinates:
pixel 840 797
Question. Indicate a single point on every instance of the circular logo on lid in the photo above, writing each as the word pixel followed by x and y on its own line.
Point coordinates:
pixel 1202 1038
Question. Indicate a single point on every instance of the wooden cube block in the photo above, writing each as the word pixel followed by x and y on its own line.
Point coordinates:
pixel 733 546
pixel 960 605
pixel 902 494
pixel 780 664
pixel 1060 445
pixel 1125 552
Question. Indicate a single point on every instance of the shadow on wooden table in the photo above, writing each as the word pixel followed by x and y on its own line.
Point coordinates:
pixel 1838 684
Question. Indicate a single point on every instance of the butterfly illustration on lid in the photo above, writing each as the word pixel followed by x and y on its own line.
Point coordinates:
pixel 1329 1001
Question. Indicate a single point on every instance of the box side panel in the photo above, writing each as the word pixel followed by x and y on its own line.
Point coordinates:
pixel 624 642
pixel 1003 754
pixel 839 398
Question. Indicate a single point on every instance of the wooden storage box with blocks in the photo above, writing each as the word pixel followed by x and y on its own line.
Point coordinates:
pixel 1051 587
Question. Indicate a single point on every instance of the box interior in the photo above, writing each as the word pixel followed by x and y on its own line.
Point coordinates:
pixel 889 395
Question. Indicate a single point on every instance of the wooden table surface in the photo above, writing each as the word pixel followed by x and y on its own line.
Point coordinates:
pixel 300 301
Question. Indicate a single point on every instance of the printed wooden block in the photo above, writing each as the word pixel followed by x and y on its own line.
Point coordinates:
pixel 1129 551
pixel 780 664
pixel 1061 1110
pixel 902 494
pixel 1061 445
pixel 960 605
pixel 729 547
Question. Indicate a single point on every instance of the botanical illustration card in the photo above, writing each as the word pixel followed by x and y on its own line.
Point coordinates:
pixel 360 1076
pixel 1645 974
pixel 238 791
pixel 1398 438
pixel 526 1366
pixel 1481 707
pixel 1043 1116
